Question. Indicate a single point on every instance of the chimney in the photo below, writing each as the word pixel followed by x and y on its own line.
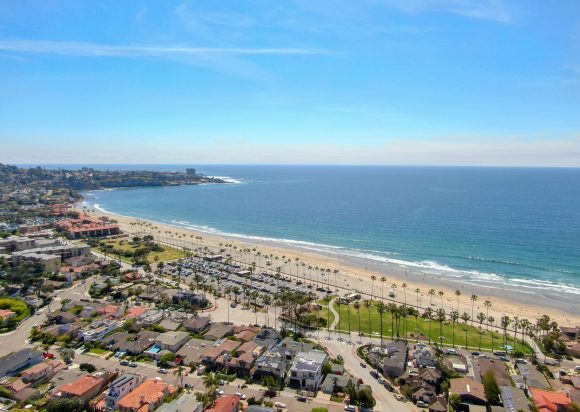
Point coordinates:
pixel 142 400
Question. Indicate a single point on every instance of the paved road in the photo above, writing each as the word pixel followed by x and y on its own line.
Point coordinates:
pixel 11 341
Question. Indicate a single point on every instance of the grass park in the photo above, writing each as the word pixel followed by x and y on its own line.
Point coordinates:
pixel 128 251
pixel 370 325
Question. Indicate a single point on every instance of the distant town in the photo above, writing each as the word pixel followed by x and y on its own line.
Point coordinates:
pixel 99 317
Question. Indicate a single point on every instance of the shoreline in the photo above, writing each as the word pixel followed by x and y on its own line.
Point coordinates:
pixel 355 274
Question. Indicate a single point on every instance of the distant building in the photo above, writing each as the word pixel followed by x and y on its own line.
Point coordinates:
pixel 97 330
pixel 547 401
pixel 171 341
pixel 469 390
pixel 190 172
pixel 85 388
pixel 272 363
pixel 87 226
pixel 228 403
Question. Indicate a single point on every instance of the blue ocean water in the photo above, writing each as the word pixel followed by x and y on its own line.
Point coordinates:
pixel 514 225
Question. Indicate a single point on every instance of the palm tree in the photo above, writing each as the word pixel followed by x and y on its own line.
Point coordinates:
pixel 179 373
pixel 348 314
pixel 441 293
pixel 457 294
pixel 505 322
pixel 516 326
pixel 490 320
pixel 487 305
pixel 228 292
pixel 211 383
pixel 357 308
pixel 480 317
pixel 373 278
pixel 465 318
pixel 454 315
pixel 441 318
pixel 428 317
pixel 431 294
pixel 383 280
pixel 368 303
pixel 417 291
pixel 267 299
pixel 381 310
pixel 404 313
pixel 474 298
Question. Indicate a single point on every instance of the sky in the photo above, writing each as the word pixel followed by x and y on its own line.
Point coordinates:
pixel 403 82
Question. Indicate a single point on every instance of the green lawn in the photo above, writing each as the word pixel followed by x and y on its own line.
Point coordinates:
pixel 415 327
pixel 97 351
pixel 166 255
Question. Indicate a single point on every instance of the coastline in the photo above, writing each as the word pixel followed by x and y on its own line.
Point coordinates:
pixel 355 274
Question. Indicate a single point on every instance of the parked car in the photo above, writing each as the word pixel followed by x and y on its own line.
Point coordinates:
pixel 163 371
pixel 124 363
pixel 241 395
pixel 133 364
pixel 374 374
pixel 363 365
pixel 350 408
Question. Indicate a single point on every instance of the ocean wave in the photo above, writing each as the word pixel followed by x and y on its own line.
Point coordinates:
pixel 228 179
pixel 430 267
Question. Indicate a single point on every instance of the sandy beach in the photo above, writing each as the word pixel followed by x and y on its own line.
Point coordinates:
pixel 355 274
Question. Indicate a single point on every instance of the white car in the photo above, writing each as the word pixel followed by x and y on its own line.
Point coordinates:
pixel 350 408
pixel 220 392
pixel 241 395
pixel 280 405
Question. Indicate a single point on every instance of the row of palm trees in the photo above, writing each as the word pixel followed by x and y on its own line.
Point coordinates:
pixel 322 278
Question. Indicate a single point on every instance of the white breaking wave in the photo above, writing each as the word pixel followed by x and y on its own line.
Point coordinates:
pixel 489 280
pixel 227 179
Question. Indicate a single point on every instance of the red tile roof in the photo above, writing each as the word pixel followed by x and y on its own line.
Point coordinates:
pixel 149 392
pixel 549 401
pixel 82 385
pixel 225 404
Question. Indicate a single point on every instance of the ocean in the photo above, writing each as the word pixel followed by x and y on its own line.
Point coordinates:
pixel 496 227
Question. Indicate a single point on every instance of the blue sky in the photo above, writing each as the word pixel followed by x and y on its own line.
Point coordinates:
pixel 461 82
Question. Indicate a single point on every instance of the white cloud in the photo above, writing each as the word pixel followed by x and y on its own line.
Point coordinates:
pixel 70 48
pixel 495 10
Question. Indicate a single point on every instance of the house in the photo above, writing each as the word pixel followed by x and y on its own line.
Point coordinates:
pixel 196 324
pixel 272 363
pixel 135 311
pixel 180 296
pixel 112 311
pixel 218 331
pixel 85 388
pixel 229 403
pixel 267 337
pixel 514 399
pixel 60 317
pixel 438 405
pixel 185 403
pixel 335 383
pixel 192 351
pixel 14 362
pixel 98 329
pixel 41 371
pixel 470 391
pixel 146 397
pixel 424 356
pixel 6 314
pixel 393 364
pixel 119 388
pixel 214 356
pixel 547 401
pixel 306 370
pixel 171 341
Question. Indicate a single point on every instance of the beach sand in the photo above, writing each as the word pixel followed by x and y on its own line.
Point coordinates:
pixel 355 274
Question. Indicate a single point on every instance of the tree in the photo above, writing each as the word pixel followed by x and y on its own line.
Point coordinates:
pixel 474 298
pixel 88 367
pixel 454 315
pixel 465 318
pixel 211 383
pixel 454 402
pixel 440 319
pixel 491 387
pixel 480 317
pixel 179 373
pixel 64 405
